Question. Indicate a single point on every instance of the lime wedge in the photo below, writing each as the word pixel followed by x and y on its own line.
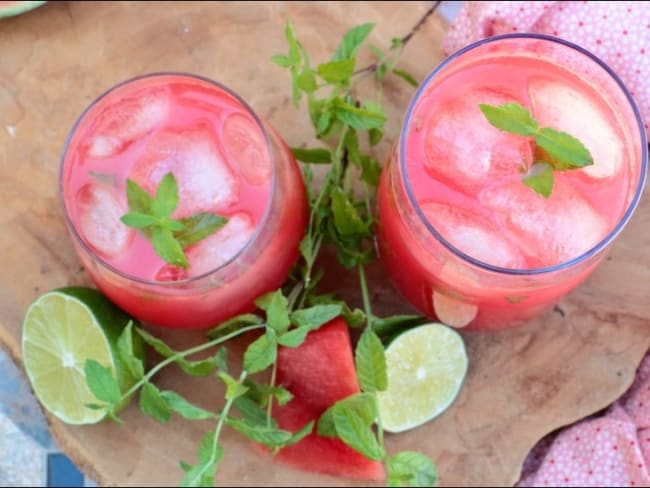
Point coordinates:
pixel 62 329
pixel 426 368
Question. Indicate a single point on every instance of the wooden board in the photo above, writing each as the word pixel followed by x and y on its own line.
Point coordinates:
pixel 521 385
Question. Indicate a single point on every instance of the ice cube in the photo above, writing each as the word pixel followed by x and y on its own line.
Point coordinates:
pixel 549 231
pixel 472 234
pixel 127 120
pixel 246 148
pixel 98 214
pixel 213 251
pixel 464 150
pixel 205 181
pixel 561 107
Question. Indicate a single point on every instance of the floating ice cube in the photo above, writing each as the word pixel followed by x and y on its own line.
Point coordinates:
pixel 464 150
pixel 127 120
pixel 549 231
pixel 246 148
pixel 205 181
pixel 213 251
pixel 472 234
pixel 98 216
pixel 561 107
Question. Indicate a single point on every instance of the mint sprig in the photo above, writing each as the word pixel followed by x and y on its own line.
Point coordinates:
pixel 338 217
pixel 152 215
pixel 556 150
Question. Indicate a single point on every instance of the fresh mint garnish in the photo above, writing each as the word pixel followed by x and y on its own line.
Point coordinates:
pixel 556 150
pixel 152 215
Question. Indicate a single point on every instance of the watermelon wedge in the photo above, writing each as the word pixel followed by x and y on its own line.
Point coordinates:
pixel 319 373
pixel 9 9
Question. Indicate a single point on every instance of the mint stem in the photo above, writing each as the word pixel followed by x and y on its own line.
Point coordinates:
pixel 364 294
pixel 188 352
pixel 269 407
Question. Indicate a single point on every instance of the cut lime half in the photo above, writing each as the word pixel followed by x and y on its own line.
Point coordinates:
pixel 426 368
pixel 62 329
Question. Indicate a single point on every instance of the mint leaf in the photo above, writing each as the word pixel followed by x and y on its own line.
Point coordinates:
pixel 410 468
pixel 294 45
pixel 220 359
pixel 202 474
pixel 540 179
pixel 252 412
pixel 139 220
pixel 375 136
pixel 269 436
pixel 336 72
pixel 566 149
pixel 351 41
pixel 277 312
pixel 358 118
pixel 197 227
pixel 184 408
pixel 138 198
pixel 314 317
pixel 234 389
pixel 294 337
pixel 353 431
pixel 510 117
pixel 396 323
pixel 127 354
pixel 281 60
pixel 158 345
pixel 262 393
pixel 407 77
pixel 260 354
pixel 167 247
pixel 363 404
pixel 313 156
pixel 166 199
pixel 200 368
pixel 307 81
pixel 370 170
pixel 346 217
pixel 101 382
pixel 370 361
pixel 153 404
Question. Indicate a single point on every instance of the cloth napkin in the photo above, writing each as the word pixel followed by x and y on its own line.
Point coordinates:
pixel 613 448
pixel 616 32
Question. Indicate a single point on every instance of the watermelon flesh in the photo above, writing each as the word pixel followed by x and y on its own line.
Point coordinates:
pixel 319 373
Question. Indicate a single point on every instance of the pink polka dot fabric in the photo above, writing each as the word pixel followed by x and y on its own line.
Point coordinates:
pixel 616 32
pixel 612 449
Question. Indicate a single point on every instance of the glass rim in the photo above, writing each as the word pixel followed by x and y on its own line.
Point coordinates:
pixel 193 279
pixel 604 242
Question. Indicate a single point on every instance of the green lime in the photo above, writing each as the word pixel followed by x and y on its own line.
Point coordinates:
pixel 426 368
pixel 62 329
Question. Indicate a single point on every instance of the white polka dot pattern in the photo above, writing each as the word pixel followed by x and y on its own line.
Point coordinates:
pixel 616 32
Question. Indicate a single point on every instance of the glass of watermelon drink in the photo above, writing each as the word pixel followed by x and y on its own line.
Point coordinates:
pixel 461 236
pixel 225 160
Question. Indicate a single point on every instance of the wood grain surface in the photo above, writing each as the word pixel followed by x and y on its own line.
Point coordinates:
pixel 521 384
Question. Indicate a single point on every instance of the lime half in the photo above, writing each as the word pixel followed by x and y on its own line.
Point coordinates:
pixel 426 368
pixel 62 329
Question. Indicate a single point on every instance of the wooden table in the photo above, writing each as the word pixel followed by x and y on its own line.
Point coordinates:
pixel 522 383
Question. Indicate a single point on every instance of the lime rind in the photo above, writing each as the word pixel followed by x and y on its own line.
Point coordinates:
pixel 426 369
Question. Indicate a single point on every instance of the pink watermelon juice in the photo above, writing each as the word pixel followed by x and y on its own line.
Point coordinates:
pixel 225 161
pixel 460 234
